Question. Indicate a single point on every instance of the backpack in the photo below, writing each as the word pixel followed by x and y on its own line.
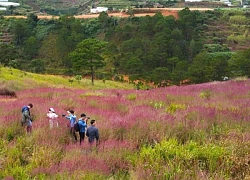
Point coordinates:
pixel 24 108
pixel 77 127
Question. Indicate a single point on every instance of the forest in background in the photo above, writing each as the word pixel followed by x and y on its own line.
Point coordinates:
pixel 198 46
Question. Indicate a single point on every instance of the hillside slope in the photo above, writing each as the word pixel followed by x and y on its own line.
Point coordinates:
pixel 18 80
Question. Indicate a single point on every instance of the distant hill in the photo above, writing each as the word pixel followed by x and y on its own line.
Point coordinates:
pixel 72 7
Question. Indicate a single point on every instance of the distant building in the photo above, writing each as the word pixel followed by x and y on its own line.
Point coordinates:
pixel 3 8
pixel 98 10
pixel 227 2
pixel 5 3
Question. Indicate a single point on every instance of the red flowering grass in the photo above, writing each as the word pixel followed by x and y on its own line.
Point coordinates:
pixel 125 125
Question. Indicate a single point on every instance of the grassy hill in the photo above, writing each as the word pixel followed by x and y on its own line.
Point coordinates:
pixel 17 80
pixel 57 7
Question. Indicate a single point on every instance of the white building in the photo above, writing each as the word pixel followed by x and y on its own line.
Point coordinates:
pixel 3 8
pixel 98 10
pixel 6 3
pixel 227 2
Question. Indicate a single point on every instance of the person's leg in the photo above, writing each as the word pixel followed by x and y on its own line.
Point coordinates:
pixel 29 128
pixel 72 131
pixel 83 136
pixel 50 124
pixel 91 144
pixel 80 134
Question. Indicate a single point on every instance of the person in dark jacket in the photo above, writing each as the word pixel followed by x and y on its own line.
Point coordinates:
pixel 26 117
pixel 92 133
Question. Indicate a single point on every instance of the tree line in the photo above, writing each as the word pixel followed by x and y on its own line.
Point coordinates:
pixel 158 49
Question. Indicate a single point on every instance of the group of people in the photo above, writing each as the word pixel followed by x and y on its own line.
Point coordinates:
pixel 90 131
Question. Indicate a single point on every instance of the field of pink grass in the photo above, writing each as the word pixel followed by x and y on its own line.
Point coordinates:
pixel 133 125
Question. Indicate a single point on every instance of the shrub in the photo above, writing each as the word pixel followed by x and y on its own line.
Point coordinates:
pixel 169 159
pixel 131 97
pixel 157 105
pixel 206 94
pixel 78 78
pixel 7 92
pixel 240 78
pixel 172 108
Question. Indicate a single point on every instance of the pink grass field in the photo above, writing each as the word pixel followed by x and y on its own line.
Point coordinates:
pixel 125 125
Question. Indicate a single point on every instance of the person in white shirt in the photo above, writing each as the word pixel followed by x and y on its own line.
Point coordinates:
pixel 52 116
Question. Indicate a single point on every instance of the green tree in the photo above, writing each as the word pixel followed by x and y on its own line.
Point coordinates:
pixel 180 72
pixel 200 70
pixel 31 47
pixel 49 51
pixel 88 54
pixel 7 53
pixel 104 19
pixel 134 65
pixel 172 63
pixel 69 33
pixel 159 75
pixel 36 66
pixel 239 64
pixel 32 20
pixel 21 31
pixel 78 78
pixel 219 66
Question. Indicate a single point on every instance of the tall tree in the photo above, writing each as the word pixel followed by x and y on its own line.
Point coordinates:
pixel 219 65
pixel 239 64
pixel 7 53
pixel 200 71
pixel 180 72
pixel 134 65
pixel 49 51
pixel 31 46
pixel 160 76
pixel 21 31
pixel 88 54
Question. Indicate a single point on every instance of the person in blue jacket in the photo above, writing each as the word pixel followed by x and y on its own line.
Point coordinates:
pixel 72 120
pixel 83 126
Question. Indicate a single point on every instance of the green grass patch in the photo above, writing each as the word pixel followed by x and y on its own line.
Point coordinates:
pixel 19 80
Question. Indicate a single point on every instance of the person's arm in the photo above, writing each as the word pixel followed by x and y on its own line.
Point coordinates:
pixel 87 133
pixel 97 135
pixel 67 117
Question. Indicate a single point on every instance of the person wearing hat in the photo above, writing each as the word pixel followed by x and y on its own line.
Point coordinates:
pixel 26 117
pixel 52 116
pixel 83 125
pixel 72 120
